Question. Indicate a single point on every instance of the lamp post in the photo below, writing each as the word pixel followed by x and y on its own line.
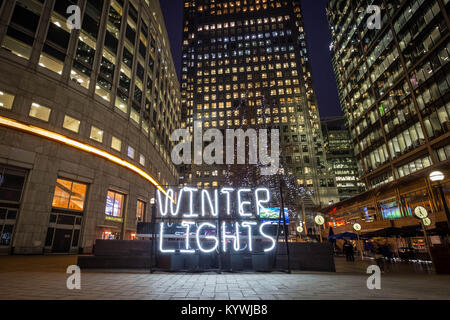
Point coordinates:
pixel 357 228
pixel 153 202
pixel 320 221
pixel 425 235
pixel 422 214
pixel 437 176
pixel 152 225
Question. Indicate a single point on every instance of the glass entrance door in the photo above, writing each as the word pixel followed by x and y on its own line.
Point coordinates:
pixel 62 241
pixel 12 183
pixel 64 227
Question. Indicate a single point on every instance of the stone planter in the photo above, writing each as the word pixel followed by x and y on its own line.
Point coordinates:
pixel 237 262
pixel 176 262
pixel 192 262
pixel 262 262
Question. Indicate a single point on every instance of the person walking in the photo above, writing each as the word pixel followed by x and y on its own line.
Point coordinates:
pixel 349 252
pixel 352 252
pixel 378 255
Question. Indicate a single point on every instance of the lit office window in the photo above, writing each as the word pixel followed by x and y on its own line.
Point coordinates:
pixel 71 124
pixel 130 152
pixel 57 41
pixel 114 204
pixel 134 114
pixel 116 144
pixel 96 134
pixel 87 44
pixel 40 112
pixel 22 28
pixel 6 100
pixel 121 103
pixel 69 195
pixel 142 160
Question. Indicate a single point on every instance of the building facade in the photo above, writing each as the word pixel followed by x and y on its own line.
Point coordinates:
pixel 340 153
pixel 394 86
pixel 85 117
pixel 251 56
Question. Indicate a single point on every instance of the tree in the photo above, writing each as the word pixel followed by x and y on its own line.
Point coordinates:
pixel 249 175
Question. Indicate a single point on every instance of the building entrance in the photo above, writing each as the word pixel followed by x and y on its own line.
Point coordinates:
pixel 12 183
pixel 66 217
pixel 62 241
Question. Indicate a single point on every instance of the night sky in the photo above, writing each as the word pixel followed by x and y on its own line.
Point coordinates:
pixel 318 37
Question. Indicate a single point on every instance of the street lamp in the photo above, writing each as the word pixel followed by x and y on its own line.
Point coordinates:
pixel 153 216
pixel 320 221
pixel 153 207
pixel 152 225
pixel 357 227
pixel 438 176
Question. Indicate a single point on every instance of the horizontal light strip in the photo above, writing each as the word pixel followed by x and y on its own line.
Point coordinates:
pixel 73 143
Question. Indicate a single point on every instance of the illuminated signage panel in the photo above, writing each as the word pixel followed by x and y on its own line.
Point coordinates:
pixel 229 219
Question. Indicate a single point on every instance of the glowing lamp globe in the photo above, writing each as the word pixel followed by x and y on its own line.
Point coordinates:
pixel 436 176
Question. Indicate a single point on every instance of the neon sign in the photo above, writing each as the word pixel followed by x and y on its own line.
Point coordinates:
pixel 192 206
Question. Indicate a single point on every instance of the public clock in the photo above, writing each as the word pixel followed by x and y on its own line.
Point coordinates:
pixel 357 227
pixel 421 212
pixel 319 220
pixel 299 229
pixel 426 222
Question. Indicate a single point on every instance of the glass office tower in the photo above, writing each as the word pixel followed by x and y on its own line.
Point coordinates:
pixel 340 154
pixel 394 84
pixel 252 55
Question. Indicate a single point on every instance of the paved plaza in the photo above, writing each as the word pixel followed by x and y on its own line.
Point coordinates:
pixel 45 278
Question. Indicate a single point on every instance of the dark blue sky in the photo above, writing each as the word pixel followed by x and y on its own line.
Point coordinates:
pixel 318 37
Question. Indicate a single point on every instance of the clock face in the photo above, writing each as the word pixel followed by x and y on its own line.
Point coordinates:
pixel 426 222
pixel 357 226
pixel 421 212
pixel 299 229
pixel 319 220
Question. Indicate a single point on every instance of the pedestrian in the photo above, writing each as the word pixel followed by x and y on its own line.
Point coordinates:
pixel 348 250
pixel 352 252
pixel 378 255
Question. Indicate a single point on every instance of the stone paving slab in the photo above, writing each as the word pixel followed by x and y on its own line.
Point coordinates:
pixel 308 286
pixel 44 278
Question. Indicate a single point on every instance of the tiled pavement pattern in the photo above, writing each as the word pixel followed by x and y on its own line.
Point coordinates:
pixel 48 281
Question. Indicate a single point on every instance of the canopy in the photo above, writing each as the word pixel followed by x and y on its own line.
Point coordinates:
pixel 344 235
pixel 392 232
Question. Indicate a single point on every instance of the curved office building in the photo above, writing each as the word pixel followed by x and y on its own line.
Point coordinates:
pixel 85 119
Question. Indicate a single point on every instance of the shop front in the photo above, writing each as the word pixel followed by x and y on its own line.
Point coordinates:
pixel 387 216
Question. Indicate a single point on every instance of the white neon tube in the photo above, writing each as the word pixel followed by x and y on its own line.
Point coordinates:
pixel 206 237
pixel 161 239
pixel 214 209
pixel 241 203
pixel 267 236
pixel 250 239
pixel 227 192
pixel 236 244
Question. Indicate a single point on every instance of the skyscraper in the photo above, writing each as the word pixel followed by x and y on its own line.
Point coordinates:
pixel 340 153
pixel 252 55
pixel 394 86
